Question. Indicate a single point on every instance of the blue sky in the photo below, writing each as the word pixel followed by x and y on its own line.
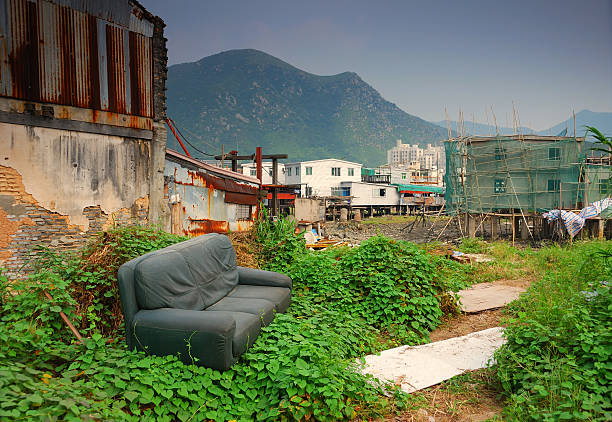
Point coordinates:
pixel 549 57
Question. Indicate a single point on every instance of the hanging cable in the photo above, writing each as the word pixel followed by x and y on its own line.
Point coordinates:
pixel 187 141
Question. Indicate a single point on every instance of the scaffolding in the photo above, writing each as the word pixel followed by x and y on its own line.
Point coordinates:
pixel 527 174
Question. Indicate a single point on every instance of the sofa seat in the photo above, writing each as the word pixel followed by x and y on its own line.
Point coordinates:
pixel 192 300
pixel 247 330
pixel 261 308
pixel 280 296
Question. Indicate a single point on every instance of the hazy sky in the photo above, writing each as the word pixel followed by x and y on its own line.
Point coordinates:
pixel 549 57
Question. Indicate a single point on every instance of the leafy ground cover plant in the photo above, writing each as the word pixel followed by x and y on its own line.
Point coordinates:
pixel 557 362
pixel 390 284
pixel 302 366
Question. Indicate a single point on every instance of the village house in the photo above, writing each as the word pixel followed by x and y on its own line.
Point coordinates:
pixel 319 177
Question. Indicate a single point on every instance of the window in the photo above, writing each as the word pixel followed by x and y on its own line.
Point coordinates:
pixel 604 186
pixel 341 191
pixel 243 212
pixel 403 175
pixel 553 185
pixel 500 153
pixel 351 171
pixel 288 171
pixel 308 171
pixel 253 172
pixel 554 153
pixel 297 171
pixel 500 186
pixel 335 171
pixel 380 192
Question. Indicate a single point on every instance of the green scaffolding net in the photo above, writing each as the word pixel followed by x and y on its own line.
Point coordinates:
pixel 503 173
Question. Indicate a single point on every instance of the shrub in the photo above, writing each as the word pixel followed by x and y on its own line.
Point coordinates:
pixel 390 284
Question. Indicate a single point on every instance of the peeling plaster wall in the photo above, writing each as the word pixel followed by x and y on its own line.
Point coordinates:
pixel 66 171
pixel 58 188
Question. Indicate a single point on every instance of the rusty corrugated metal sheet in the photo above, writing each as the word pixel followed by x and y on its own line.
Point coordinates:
pixel 205 203
pixel 66 53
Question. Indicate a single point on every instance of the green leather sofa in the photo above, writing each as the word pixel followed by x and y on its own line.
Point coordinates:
pixel 192 300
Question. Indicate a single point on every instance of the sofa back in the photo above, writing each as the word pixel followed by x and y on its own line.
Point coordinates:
pixel 190 275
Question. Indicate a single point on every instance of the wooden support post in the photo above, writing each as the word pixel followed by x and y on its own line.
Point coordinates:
pixel 601 224
pixel 494 227
pixel 524 229
pixel 275 210
pixel 470 222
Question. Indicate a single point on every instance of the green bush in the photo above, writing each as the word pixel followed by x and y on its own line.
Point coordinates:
pixel 390 284
pixel 556 364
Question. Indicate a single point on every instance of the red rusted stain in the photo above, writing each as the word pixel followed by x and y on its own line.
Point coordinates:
pixel 68 76
pixel 67 53
pixel 211 194
pixel 205 179
pixel 23 60
pixel 240 198
pixel 244 225
pixel 93 82
pixel 198 227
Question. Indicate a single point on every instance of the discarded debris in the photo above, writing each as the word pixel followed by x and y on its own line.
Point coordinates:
pixel 326 243
pixel 470 257
pixel 484 296
pixel 418 367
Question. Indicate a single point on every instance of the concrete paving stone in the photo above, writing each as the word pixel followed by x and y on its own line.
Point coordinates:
pixel 484 296
pixel 416 367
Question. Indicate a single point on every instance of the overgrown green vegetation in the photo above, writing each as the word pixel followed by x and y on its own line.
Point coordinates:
pixel 302 366
pixel 347 302
pixel 556 364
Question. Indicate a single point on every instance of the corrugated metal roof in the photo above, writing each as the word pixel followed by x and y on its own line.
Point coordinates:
pixel 89 54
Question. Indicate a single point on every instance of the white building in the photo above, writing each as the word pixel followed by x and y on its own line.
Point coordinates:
pixel 318 177
pixel 250 169
pixel 406 154
pixel 370 194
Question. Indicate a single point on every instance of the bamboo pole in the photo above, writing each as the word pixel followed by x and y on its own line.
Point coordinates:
pixel 65 318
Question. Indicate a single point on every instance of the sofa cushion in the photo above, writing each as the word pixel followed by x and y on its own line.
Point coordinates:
pixel 247 330
pixel 189 275
pixel 262 308
pixel 280 296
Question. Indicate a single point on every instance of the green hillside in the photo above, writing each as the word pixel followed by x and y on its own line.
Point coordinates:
pixel 247 98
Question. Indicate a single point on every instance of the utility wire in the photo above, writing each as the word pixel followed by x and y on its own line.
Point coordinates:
pixel 189 143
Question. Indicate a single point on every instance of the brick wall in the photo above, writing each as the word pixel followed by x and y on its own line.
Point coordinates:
pixel 25 224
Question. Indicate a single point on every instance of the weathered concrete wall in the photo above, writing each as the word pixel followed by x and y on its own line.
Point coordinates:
pixel 309 210
pixel 58 187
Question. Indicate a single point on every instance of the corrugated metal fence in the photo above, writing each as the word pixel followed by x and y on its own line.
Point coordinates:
pixel 82 53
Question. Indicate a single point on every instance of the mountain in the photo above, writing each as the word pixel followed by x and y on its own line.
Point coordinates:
pixel 600 120
pixel 246 98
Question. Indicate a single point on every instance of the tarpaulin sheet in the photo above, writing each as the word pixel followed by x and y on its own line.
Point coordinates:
pixel 575 222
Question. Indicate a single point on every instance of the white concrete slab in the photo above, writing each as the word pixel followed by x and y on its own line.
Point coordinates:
pixel 483 296
pixel 417 367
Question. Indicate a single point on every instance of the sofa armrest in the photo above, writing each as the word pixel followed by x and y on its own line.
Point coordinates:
pixel 263 278
pixel 198 337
